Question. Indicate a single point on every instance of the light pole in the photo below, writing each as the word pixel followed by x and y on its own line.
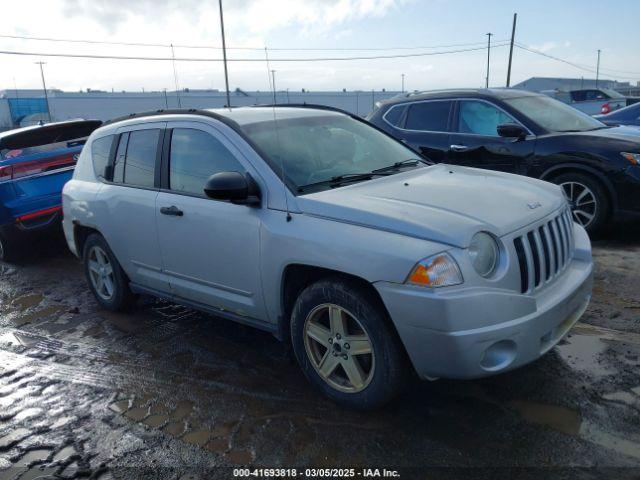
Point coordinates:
pixel 513 37
pixel 224 56
pixel 273 83
pixel 402 83
pixel 44 87
pixel 488 57
pixel 598 69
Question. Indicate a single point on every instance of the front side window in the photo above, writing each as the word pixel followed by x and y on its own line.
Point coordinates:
pixel 552 115
pixel 428 116
pixel 195 156
pixel 100 149
pixel 317 148
pixel 481 118
pixel 140 159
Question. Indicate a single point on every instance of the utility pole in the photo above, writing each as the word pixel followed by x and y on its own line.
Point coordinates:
pixel 513 38
pixel 224 56
pixel 273 83
pixel 175 76
pixel 403 83
pixel 598 69
pixel 44 87
pixel 488 57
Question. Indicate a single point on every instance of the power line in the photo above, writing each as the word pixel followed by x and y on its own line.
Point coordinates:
pixel 196 59
pixel 208 47
pixel 573 64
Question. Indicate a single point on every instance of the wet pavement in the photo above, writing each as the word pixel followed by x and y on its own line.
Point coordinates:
pixel 163 391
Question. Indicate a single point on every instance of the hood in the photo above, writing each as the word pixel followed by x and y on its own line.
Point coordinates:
pixel 442 203
pixel 622 133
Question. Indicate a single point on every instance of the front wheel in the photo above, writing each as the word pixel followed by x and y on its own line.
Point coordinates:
pixel 105 276
pixel 345 345
pixel 587 198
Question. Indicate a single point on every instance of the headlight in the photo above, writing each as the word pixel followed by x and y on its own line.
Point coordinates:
pixel 484 253
pixel 438 271
pixel 634 158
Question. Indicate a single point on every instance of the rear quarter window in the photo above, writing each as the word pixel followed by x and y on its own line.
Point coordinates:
pixel 100 150
pixel 393 116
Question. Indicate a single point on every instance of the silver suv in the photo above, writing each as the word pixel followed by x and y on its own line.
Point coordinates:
pixel 316 226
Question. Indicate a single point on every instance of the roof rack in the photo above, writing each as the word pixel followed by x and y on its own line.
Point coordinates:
pixel 171 111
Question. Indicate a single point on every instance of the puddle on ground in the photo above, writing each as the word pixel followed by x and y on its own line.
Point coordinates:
pixel 46 312
pixel 582 352
pixel 65 454
pixel 156 421
pixel 183 410
pixel 240 457
pixel 27 301
pixel 199 437
pixel 137 414
pixel 175 429
pixel 33 456
pixel 558 418
pixel 37 473
pixel 120 406
pixel 570 422
pixel 217 445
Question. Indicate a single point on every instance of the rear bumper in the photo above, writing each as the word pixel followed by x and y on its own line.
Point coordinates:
pixel 513 329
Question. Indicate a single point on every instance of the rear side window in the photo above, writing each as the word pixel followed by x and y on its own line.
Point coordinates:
pixel 394 115
pixel 100 149
pixel 195 156
pixel 140 158
pixel 429 116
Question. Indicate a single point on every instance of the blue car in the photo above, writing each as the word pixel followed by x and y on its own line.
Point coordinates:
pixel 35 163
pixel 625 116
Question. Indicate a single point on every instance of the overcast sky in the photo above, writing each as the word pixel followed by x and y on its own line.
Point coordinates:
pixel 571 29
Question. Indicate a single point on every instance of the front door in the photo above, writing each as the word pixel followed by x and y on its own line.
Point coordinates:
pixel 475 141
pixel 210 248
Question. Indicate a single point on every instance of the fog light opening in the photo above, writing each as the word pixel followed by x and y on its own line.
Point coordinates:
pixel 499 355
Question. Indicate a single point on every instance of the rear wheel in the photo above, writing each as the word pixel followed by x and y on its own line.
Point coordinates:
pixel 588 199
pixel 8 250
pixel 345 345
pixel 107 280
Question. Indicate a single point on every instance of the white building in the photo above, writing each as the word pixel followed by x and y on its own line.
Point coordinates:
pixel 22 107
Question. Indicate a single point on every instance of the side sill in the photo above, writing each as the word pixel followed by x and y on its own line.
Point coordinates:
pixel 252 322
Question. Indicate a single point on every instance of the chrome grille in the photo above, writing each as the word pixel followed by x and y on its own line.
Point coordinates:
pixel 543 252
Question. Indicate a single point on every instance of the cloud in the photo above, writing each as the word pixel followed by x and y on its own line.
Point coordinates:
pixel 545 47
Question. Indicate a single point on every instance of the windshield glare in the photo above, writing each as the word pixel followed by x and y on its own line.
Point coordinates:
pixel 317 148
pixel 553 115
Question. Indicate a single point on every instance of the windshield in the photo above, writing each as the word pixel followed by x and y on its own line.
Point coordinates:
pixel 552 115
pixel 319 148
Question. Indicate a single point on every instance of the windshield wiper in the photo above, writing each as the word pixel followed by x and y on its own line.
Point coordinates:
pixel 346 178
pixel 399 165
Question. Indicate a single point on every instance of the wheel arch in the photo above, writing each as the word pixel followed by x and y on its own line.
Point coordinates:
pixel 296 277
pixel 80 235
pixel 597 175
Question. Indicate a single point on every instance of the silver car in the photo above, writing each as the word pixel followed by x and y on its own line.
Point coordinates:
pixel 314 225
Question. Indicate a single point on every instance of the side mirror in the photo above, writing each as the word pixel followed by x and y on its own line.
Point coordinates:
pixel 512 130
pixel 233 186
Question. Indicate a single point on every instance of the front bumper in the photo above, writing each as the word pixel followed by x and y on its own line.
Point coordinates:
pixel 501 330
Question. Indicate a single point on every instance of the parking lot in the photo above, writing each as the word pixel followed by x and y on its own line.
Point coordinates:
pixel 85 392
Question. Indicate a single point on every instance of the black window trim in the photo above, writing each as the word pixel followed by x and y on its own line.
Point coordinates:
pixel 405 114
pixel 158 161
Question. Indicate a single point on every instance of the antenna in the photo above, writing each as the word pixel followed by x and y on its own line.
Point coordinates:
pixel 275 124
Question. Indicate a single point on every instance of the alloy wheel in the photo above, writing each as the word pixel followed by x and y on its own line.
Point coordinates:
pixel 101 273
pixel 339 348
pixel 582 200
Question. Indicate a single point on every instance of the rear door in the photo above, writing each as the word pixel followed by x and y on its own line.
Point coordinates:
pixel 128 203
pixel 210 248
pixel 424 125
pixel 475 142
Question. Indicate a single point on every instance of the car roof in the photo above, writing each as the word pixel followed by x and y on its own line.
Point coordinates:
pixel 500 93
pixel 37 135
pixel 249 115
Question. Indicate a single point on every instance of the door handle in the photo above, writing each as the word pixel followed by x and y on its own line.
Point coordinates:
pixel 172 211
pixel 459 148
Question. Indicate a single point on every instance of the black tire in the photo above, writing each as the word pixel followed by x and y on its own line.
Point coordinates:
pixel 122 298
pixel 390 371
pixel 602 209
pixel 9 251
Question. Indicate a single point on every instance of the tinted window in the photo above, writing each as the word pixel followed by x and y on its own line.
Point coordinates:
pixel 428 116
pixel 195 156
pixel 394 115
pixel 118 167
pixel 140 161
pixel 100 149
pixel 481 118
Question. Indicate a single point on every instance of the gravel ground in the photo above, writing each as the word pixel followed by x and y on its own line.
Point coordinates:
pixel 164 391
